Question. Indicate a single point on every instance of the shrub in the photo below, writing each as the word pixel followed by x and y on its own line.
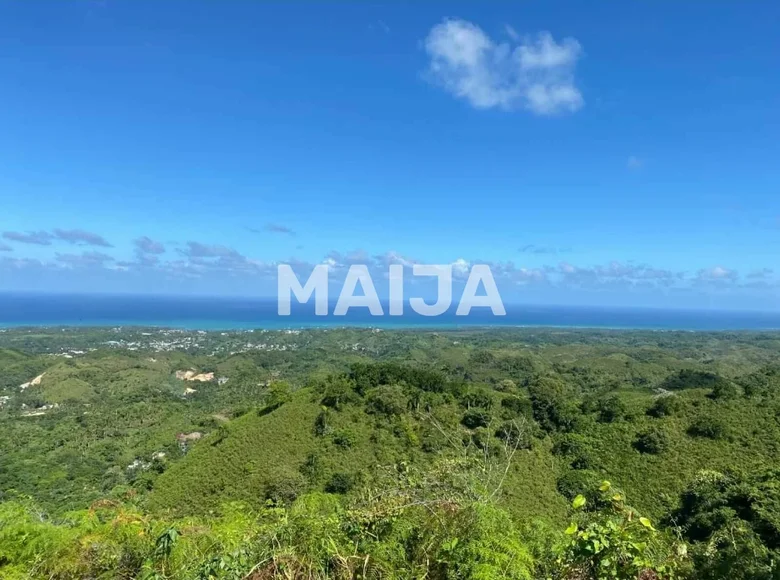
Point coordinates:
pixel 340 483
pixel 724 391
pixel 666 406
pixel 553 403
pixel 513 406
pixel 388 400
pixel 278 394
pixel 337 391
pixel 708 427
pixel 479 398
pixel 344 439
pixel 475 418
pixel 283 490
pixel 581 482
pixel 568 444
pixel 610 409
pixel 652 441
pixel 689 379
pixel 312 467
pixel 322 423
pixel 617 543
pixel 762 383
pixel 734 523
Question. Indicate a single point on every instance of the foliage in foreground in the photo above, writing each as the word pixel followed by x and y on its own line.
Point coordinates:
pixel 438 524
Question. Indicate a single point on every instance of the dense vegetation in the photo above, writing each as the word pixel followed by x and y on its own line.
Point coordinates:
pixel 355 453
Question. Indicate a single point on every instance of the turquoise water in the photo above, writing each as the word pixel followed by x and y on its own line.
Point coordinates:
pixel 224 314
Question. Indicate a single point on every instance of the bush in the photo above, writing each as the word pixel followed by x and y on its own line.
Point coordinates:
pixel 734 524
pixel 322 423
pixel 762 383
pixel 576 448
pixel 283 490
pixel 337 391
pixel 708 427
pixel 688 379
pixel 279 393
pixel 666 406
pixel 724 391
pixel 475 418
pixel 568 444
pixel 617 543
pixel 513 406
pixel 344 439
pixel 476 397
pixel 610 409
pixel 340 483
pixel 554 405
pixel 652 441
pixel 387 400
pixel 581 482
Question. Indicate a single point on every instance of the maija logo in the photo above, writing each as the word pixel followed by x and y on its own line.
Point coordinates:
pixel 317 284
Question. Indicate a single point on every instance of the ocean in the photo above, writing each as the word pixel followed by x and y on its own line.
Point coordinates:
pixel 200 313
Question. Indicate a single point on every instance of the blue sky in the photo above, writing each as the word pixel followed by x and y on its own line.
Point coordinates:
pixel 594 153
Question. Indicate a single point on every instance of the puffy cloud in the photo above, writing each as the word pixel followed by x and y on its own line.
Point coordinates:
pixel 336 261
pixel 535 74
pixel 460 268
pixel 716 274
pixel 507 271
pixel 216 261
pixel 394 258
pixel 567 268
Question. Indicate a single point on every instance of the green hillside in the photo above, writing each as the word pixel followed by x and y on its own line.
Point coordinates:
pixel 362 454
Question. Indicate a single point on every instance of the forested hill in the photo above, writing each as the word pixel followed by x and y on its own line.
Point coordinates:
pixel 359 453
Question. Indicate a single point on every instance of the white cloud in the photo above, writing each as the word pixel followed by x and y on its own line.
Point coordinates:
pixel 716 274
pixel 567 268
pixel 535 74
pixel 460 268
pixel 634 162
